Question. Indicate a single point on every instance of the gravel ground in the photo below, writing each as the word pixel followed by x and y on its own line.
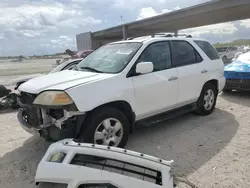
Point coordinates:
pixel 212 151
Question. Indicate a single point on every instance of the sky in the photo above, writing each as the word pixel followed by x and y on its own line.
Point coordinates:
pixel 38 27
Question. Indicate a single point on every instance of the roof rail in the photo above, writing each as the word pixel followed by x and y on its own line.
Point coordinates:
pixel 171 35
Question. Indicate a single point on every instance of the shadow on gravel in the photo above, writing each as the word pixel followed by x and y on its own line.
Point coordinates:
pixel 7 111
pixel 238 97
pixel 18 167
pixel 189 140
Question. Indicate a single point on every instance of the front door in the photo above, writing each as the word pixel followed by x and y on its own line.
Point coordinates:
pixel 156 92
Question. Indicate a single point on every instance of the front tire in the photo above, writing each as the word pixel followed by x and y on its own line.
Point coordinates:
pixel 207 100
pixel 106 126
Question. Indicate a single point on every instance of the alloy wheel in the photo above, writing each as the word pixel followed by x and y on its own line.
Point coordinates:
pixel 109 132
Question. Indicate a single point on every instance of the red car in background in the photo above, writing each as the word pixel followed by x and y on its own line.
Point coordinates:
pixel 74 55
pixel 80 54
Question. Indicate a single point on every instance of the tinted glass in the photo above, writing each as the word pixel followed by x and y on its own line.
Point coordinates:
pixel 208 49
pixel 101 185
pixel 111 58
pixel 184 53
pixel 159 54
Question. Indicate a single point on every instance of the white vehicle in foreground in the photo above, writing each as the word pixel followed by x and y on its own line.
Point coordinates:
pixel 68 164
pixel 122 84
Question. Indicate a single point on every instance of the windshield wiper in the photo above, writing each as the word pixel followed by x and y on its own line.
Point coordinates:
pixel 91 69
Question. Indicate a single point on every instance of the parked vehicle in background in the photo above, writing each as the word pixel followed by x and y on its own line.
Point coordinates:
pixel 237 74
pixel 121 84
pixel 227 53
pixel 68 65
pixel 242 50
pixel 9 99
pixel 74 55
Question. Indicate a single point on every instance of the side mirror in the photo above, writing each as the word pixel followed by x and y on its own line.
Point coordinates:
pixel 144 67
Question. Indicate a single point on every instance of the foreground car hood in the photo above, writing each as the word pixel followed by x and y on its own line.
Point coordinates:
pixel 61 81
pixel 238 66
pixel 238 69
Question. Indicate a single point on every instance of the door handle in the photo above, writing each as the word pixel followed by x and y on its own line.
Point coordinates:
pixel 204 71
pixel 172 78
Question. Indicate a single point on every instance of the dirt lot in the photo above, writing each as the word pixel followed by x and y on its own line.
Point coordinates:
pixel 212 151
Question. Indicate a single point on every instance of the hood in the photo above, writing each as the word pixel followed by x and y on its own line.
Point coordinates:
pixel 238 70
pixel 61 81
pixel 238 66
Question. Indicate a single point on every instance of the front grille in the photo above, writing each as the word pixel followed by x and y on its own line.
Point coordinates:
pixel 119 167
pixel 27 98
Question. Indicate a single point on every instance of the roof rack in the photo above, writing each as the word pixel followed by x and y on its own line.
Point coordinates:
pixel 172 35
pixel 164 35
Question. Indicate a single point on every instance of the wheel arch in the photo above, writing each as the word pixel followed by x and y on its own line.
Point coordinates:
pixel 215 82
pixel 124 107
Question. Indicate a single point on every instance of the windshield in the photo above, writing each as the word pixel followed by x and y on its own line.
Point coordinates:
pixel 222 49
pixel 111 58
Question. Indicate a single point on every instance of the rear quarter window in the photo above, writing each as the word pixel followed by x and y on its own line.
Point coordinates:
pixel 208 49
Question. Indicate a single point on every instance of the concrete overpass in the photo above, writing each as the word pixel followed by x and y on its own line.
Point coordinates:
pixel 212 12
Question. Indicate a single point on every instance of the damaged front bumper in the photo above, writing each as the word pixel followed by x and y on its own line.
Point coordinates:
pixel 50 123
pixel 71 164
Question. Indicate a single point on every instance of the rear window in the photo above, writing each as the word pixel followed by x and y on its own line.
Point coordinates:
pixel 208 49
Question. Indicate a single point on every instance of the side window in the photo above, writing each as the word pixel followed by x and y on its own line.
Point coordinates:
pixel 98 185
pixel 159 54
pixel 208 49
pixel 184 53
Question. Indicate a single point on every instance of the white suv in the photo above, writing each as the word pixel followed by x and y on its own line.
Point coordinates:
pixel 121 84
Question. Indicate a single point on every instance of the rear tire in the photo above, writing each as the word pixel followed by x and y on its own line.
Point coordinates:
pixel 207 100
pixel 106 126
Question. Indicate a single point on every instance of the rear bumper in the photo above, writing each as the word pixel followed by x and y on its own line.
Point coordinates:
pixel 238 84
pixel 221 83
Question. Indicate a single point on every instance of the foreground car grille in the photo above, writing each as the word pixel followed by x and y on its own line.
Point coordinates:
pixel 238 83
pixel 27 98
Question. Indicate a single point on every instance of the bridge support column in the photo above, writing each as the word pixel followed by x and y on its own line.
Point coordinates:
pixel 124 32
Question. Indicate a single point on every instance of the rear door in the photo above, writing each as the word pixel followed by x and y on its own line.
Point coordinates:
pixel 189 65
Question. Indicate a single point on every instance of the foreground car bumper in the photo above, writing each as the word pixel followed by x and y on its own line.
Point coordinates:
pixel 238 84
pixel 119 167
pixel 222 82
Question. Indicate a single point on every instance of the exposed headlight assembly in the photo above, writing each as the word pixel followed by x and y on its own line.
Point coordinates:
pixel 53 98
